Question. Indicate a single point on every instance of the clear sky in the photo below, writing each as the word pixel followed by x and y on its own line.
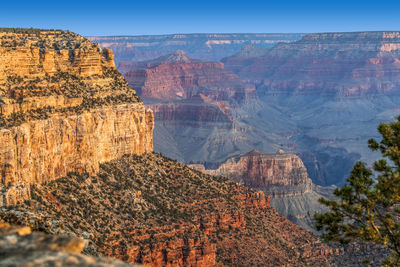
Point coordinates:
pixel 204 16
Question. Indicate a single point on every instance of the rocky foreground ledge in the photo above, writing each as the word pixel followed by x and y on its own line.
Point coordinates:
pixel 19 246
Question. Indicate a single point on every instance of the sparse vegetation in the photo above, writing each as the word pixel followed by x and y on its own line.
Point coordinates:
pixel 150 201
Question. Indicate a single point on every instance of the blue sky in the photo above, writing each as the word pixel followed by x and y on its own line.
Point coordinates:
pixel 163 17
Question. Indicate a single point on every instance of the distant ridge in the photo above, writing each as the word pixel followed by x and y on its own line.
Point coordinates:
pixel 207 46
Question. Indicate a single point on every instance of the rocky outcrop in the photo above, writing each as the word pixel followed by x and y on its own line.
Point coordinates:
pixel 203 46
pixel 64 108
pixel 281 176
pixel 19 246
pixel 278 174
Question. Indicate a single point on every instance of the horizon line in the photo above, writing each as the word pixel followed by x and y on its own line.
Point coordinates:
pixel 230 33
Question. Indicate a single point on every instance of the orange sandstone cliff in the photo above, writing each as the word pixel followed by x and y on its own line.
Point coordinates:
pixel 64 107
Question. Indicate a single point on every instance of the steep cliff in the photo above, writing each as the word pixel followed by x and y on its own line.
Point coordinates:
pixel 259 170
pixel 64 107
pixel 281 176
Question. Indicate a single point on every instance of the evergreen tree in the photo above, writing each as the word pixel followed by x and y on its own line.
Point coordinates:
pixel 368 206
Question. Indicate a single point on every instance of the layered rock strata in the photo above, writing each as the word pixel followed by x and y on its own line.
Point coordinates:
pixel 198 106
pixel 338 64
pixel 176 77
pixel 269 172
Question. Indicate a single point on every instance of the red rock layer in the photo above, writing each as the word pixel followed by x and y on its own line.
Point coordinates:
pixel 198 109
pixel 183 78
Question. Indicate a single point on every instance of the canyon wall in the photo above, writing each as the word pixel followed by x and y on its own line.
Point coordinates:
pixel 42 150
pixel 64 108
pixel 258 170
pixel 338 64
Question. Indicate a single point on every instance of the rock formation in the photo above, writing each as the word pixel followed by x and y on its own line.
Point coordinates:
pixel 283 177
pixel 64 107
pixel 258 170
pixel 203 46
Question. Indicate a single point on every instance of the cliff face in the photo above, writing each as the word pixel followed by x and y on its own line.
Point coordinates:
pixel 203 46
pixel 258 170
pixel 64 108
pixel 197 111
pixel 22 54
pixel 42 150
pixel 152 210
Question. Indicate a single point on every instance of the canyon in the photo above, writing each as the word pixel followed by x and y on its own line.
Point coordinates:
pixel 320 96
pixel 205 113
pixel 77 160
